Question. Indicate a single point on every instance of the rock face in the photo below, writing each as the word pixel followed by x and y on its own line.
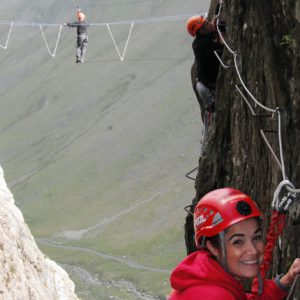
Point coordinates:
pixel 266 38
pixel 25 272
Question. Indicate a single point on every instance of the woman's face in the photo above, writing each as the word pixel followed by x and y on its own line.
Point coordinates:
pixel 244 248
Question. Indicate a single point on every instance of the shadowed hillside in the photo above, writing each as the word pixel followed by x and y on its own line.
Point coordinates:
pixel 95 154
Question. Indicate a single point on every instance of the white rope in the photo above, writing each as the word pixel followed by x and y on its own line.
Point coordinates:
pixel 271 149
pixel 149 20
pixel 280 162
pixel 246 100
pixel 54 51
pixel 8 36
pixel 293 190
pixel 220 10
pixel 136 21
pixel 289 187
pixel 220 60
pixel 223 40
pixel 127 41
pixel 234 53
pixel 280 145
pixel 246 89
pixel 107 24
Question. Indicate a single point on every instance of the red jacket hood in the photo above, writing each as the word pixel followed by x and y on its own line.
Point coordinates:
pixel 201 270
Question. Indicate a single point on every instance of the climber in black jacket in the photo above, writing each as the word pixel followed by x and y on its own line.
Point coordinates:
pixel 206 63
pixel 82 36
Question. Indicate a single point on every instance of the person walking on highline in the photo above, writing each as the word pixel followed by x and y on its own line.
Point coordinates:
pixel 82 36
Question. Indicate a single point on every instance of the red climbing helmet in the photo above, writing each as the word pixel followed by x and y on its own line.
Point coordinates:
pixel 80 16
pixel 220 209
pixel 193 24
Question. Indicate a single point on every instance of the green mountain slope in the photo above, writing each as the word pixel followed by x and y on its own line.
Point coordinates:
pixel 95 153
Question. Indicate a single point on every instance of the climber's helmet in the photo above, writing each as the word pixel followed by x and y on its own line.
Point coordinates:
pixel 194 23
pixel 220 209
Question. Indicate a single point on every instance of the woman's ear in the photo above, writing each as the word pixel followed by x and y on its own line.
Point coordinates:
pixel 214 251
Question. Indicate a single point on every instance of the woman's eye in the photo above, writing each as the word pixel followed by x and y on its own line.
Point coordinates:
pixel 258 237
pixel 237 242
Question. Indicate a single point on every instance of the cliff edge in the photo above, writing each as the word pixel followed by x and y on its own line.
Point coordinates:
pixel 26 273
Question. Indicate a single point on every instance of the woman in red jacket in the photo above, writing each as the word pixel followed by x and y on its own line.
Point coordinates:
pixel 229 237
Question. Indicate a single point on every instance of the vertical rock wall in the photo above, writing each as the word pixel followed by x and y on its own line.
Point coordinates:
pixel 266 36
pixel 25 272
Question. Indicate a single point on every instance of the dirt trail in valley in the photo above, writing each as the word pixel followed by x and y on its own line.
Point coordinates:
pixel 122 260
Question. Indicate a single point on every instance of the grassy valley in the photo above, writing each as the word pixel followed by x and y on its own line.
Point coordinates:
pixel 95 153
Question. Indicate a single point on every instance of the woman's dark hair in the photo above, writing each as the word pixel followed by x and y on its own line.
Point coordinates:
pixel 215 241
